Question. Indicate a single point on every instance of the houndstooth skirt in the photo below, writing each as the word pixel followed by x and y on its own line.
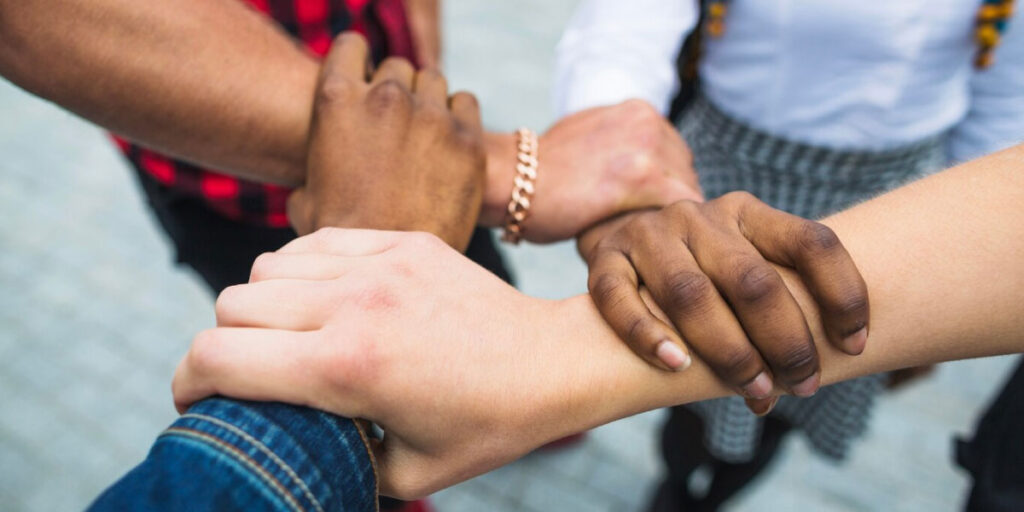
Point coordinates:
pixel 811 182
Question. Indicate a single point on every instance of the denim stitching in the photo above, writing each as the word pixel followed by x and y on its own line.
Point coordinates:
pixel 354 460
pixel 263 448
pixel 238 454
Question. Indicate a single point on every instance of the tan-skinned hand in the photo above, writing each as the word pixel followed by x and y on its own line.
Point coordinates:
pixel 594 164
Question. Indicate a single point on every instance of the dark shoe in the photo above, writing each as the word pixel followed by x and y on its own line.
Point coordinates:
pixel 667 499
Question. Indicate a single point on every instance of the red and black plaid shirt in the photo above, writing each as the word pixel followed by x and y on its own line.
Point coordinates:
pixel 315 23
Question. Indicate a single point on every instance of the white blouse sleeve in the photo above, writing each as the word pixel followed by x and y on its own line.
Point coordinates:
pixel 995 119
pixel 614 50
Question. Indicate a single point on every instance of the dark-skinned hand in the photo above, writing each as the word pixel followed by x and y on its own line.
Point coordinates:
pixel 706 266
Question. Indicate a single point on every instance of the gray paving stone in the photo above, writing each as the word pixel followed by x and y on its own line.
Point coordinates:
pixel 616 484
pixel 545 494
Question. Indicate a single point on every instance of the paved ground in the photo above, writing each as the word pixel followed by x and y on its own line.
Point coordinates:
pixel 93 317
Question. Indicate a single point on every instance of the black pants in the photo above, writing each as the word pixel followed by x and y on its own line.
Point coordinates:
pixel 221 251
pixel 682 447
pixel 995 457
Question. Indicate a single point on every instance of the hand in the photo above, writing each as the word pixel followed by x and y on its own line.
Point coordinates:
pixel 400 329
pixel 705 267
pixel 394 152
pixel 593 164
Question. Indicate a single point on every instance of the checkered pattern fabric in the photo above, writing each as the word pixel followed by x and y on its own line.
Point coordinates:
pixel 811 182
pixel 315 23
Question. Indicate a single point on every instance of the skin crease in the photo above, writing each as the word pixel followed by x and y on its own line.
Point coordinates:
pixel 479 374
pixel 243 104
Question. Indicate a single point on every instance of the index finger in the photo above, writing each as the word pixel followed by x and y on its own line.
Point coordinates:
pixel 614 288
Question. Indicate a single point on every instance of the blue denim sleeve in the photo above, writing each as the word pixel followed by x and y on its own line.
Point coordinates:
pixel 235 455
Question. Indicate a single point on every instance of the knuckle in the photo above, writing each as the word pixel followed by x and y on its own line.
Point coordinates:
pixel 321 239
pixel 756 282
pixel 351 364
pixel 642 169
pixel 853 304
pixel 422 240
pixel 647 229
pixel 636 328
pixel 432 115
pixel 263 266
pixel 335 90
pixel 688 290
pixel 205 352
pixel 604 286
pixel 326 233
pixel 472 144
pixel 226 304
pixel 683 209
pixel 739 363
pixel 817 238
pixel 736 199
pixel 739 196
pixel 388 96
pixel 798 356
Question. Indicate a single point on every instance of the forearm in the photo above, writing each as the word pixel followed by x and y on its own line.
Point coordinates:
pixel 941 260
pixel 214 82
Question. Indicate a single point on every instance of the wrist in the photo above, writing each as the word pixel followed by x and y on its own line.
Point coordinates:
pixel 501 166
pixel 601 379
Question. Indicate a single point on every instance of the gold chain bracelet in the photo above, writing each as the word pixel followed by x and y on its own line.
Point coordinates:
pixel 522 190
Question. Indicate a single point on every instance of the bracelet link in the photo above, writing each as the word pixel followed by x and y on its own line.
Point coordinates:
pixel 522 185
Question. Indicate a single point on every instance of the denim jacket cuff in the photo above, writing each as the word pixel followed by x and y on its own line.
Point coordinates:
pixel 308 459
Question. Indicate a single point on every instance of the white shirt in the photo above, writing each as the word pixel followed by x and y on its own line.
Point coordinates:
pixel 837 73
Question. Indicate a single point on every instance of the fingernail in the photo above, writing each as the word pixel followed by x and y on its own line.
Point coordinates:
pixel 855 342
pixel 672 355
pixel 760 387
pixel 767 408
pixel 807 387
